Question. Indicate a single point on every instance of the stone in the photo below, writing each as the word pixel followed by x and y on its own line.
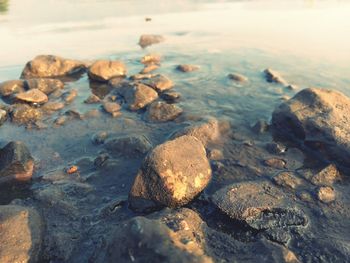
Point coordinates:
pixel 133 146
pixel 23 114
pixel 52 106
pixel 151 59
pixel 148 40
pixel 99 138
pixel 137 95
pixel 141 76
pixel 16 163
pixel 92 99
pixel 274 76
pixel 171 175
pixel 171 96
pixel 187 68
pixel 3 116
pixel 104 70
pixel 149 68
pixel 48 66
pixel 216 154
pixel 32 96
pixel 11 87
pixel 292 87
pixel 319 120
pixel 169 236
pixel 61 120
pixel 275 148
pixel 237 77
pixel 74 114
pixel 326 194
pixel 275 163
pixel 20 234
pixel 45 85
pixel 69 96
pixel 161 112
pixel 112 108
pixel 159 82
pixel 287 179
pixel 327 176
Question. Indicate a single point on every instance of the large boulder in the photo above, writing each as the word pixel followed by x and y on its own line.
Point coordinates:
pixel 48 66
pixel 16 162
pixel 318 119
pixel 104 70
pixel 20 234
pixel 172 174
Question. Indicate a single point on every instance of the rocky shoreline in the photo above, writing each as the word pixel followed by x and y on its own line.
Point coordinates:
pixel 198 190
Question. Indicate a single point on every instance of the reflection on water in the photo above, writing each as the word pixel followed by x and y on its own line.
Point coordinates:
pixel 4 4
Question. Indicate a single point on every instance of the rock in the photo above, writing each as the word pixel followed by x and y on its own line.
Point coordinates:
pixel 92 99
pixel 187 68
pixel 151 59
pixel 161 112
pixel 48 66
pixel 326 194
pixel 275 148
pixel 11 87
pixel 149 68
pixel 32 96
pixel 216 154
pixel 69 96
pixel 260 126
pixel 74 114
pixel 99 138
pixel 129 146
pixel 113 108
pixel 326 176
pixel 274 76
pixel 141 76
pixel 237 77
pixel 137 95
pixel 148 40
pixel 170 236
pixel 16 163
pixel 275 163
pixel 23 114
pixel 52 106
pixel 61 120
pixel 93 113
pixel 3 116
pixel 319 119
pixel 172 174
pixel 104 70
pixel 45 85
pixel 171 96
pixel 159 82
pixel 292 87
pixel 287 179
pixel 20 234
pixel 101 159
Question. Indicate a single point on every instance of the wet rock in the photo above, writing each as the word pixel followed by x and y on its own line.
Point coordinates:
pixel 137 95
pixel 326 194
pixel 151 59
pixel 161 112
pixel 23 114
pixel 92 99
pixel 129 146
pixel 319 119
pixel 159 82
pixel 287 179
pixel 274 76
pixel 112 108
pixel 69 96
pixel 20 234
pixel 170 236
pixel 275 163
pixel 149 68
pixel 237 77
pixel 171 175
pixel 74 114
pixel 52 106
pixel 260 126
pixel 94 113
pixel 32 96
pixel 326 176
pixel 11 87
pixel 61 120
pixel 275 148
pixel 171 96
pixel 3 116
pixel 45 85
pixel 48 66
pixel 187 68
pixel 292 87
pixel 104 70
pixel 148 40
pixel 141 76
pixel 16 162
pixel 216 154
pixel 99 138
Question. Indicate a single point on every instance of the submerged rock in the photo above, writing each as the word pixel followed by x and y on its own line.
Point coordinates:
pixel 23 114
pixel 148 40
pixel 171 175
pixel 112 108
pixel 327 176
pixel 69 96
pixel 129 146
pixel 237 77
pixel 46 66
pixel 11 87
pixel 92 99
pixel 171 96
pixel 287 179
pixel 319 119
pixel 161 112
pixel 151 59
pixel 32 96
pixel 187 68
pixel 104 70
pixel 149 68
pixel 260 126
pixel 159 82
pixel 45 85
pixel 274 76
pixel 326 194
pixel 20 234
pixel 16 162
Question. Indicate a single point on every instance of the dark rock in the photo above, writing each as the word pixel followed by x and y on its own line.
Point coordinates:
pixel 237 77
pixel 104 70
pixel 16 163
pixel 129 146
pixel 171 175
pixel 275 148
pixel 159 82
pixel 101 159
pixel 99 138
pixel 23 114
pixel 187 68
pixel 20 234
pixel 11 87
pixel 148 40
pixel 32 96
pixel 161 112
pixel 45 85
pixel 326 194
pixel 61 120
pixel 92 99
pixel 48 66
pixel 274 76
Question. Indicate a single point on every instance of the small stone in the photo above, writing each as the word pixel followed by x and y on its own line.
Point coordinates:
pixel 237 77
pixel 326 194
pixel 292 87
pixel 69 96
pixel 32 96
pixel 11 87
pixel 260 126
pixel 53 106
pixel 148 40
pixel 129 146
pixel 305 196
pixel 149 68
pixel 61 120
pixel 74 114
pixel 187 68
pixel 104 70
pixel 112 107
pixel 327 176
pixel 161 112
pixel 275 163
pixel 45 85
pixel 216 154
pixel 274 76
pixel 99 138
pixel 151 59
pixel 287 179
pixel 159 82
pixel 92 99
pixel 171 96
